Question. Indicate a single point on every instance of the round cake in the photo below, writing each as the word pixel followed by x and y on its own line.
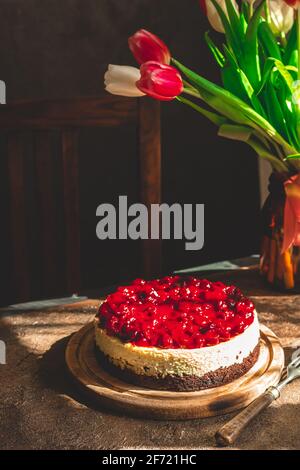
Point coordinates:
pixel 177 333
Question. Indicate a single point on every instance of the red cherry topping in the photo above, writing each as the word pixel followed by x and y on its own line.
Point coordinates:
pixel 175 312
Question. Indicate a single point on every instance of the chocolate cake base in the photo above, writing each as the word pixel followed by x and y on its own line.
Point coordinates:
pixel 186 383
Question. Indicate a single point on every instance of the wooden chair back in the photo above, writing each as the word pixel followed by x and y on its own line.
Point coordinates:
pixel 68 117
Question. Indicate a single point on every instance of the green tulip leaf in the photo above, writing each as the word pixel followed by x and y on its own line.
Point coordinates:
pixel 243 22
pixel 245 11
pixel 213 117
pixel 251 34
pixel 230 34
pixel 224 108
pixel 287 77
pixel 292 68
pixel 268 41
pixel 234 20
pixel 217 54
pixel 268 67
pixel 234 132
pixel 275 114
pixel 291 47
pixel 231 77
pixel 293 60
pixel 251 95
pixel 271 65
pixel 250 62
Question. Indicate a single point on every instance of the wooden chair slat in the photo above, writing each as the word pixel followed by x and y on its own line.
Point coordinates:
pixel 18 227
pixel 47 210
pixel 70 159
pixel 150 176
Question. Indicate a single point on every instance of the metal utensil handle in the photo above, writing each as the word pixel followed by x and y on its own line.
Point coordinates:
pixel 228 434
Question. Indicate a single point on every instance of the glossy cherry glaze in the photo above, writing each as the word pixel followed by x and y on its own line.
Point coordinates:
pixel 175 312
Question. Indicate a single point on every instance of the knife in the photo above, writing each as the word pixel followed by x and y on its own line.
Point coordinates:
pixel 228 434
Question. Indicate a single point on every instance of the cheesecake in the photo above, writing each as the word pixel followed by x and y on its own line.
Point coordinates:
pixel 177 333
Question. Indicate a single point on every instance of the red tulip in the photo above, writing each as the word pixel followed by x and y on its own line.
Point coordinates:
pixel 145 47
pixel 160 81
pixel 293 3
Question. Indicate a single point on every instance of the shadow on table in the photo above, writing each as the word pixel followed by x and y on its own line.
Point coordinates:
pixel 54 374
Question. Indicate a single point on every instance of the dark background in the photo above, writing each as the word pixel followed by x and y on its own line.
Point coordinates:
pixel 61 48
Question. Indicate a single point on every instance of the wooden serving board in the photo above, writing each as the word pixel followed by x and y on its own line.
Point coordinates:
pixel 109 391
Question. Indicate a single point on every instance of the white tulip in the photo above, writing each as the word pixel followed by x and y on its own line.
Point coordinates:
pixel 121 80
pixel 213 15
pixel 282 16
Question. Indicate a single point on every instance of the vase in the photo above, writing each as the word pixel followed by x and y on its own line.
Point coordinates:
pixel 280 269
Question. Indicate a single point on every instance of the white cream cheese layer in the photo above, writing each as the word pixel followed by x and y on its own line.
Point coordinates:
pixel 163 362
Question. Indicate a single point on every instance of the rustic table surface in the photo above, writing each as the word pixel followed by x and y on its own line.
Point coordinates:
pixel 41 409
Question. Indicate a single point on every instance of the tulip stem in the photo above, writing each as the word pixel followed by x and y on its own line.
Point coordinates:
pixel 250 10
pixel 192 92
pixel 283 39
pixel 267 12
pixel 189 86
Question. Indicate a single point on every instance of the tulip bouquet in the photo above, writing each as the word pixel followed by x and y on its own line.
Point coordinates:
pixel 257 101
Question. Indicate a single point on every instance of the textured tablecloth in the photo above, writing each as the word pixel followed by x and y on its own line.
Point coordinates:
pixel 41 409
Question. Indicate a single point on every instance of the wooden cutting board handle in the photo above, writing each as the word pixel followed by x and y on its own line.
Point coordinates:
pixel 228 434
